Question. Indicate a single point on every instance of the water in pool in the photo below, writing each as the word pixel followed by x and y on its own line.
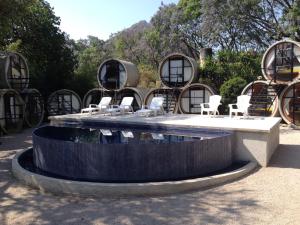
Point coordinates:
pixel 118 136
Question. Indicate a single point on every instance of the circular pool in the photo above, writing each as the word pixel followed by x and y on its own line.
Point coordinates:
pixel 130 154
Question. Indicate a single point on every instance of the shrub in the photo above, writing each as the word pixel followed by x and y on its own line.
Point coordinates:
pixel 231 89
pixel 148 76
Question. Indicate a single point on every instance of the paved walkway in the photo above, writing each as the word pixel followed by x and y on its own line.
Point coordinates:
pixel 267 196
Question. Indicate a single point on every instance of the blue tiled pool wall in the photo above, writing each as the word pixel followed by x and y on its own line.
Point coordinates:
pixel 132 162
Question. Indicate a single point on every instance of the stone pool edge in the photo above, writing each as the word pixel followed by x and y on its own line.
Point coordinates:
pixel 106 190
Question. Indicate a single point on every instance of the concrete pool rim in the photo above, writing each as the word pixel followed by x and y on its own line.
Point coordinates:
pixel 107 190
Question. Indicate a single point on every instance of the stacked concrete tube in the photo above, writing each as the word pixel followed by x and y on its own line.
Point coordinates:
pixel 62 102
pixel 95 95
pixel 18 104
pixel 115 74
pixel 289 104
pixel 279 93
pixel 192 96
pixel 263 94
pixel 179 76
pixel 14 72
pixel 170 96
pixel 34 107
pixel 117 79
pixel 12 111
pixel 176 71
pixel 281 62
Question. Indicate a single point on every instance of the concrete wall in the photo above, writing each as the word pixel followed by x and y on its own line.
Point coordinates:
pixel 255 146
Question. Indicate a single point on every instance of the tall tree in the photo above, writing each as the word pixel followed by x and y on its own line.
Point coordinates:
pixel 11 14
pixel 90 53
pixel 48 50
pixel 239 25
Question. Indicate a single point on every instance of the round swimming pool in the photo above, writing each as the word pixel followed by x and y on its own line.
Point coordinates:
pixel 128 154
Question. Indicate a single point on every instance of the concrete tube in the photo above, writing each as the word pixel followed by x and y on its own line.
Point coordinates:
pixel 115 74
pixel 178 70
pixel 34 107
pixel 289 103
pixel 11 111
pixel 281 62
pixel 63 102
pixel 170 98
pixel 264 98
pixel 192 96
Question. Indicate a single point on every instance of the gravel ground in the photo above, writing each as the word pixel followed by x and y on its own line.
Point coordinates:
pixel 268 196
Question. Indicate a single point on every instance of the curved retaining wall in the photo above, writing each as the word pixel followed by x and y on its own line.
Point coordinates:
pixel 107 190
pixel 131 162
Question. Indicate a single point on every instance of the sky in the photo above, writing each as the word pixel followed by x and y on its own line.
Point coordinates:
pixel 100 18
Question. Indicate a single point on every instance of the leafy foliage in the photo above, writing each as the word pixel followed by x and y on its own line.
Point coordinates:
pixel 90 53
pixel 232 88
pixel 148 75
pixel 238 31
pixel 229 64
pixel 191 8
pixel 35 33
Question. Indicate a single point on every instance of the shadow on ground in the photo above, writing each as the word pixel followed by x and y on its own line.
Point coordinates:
pixel 286 156
pixel 16 141
pixel 23 205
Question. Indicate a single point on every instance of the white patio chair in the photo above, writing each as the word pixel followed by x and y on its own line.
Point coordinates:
pixel 157 136
pixel 106 132
pixel 100 108
pixel 127 134
pixel 212 105
pixel 242 105
pixel 154 108
pixel 124 107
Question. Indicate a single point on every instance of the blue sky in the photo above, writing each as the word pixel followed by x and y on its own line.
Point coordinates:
pixel 80 18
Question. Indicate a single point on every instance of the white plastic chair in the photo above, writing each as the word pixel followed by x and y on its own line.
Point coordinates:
pixel 155 107
pixel 124 107
pixel 101 107
pixel 242 105
pixel 212 105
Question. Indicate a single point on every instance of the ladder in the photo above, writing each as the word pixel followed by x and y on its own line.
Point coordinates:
pixel 262 102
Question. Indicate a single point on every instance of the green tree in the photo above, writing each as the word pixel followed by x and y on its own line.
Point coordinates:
pixel 11 14
pixel 229 64
pixel 35 33
pixel 148 77
pixel 190 8
pixel 90 53
pixel 238 25
pixel 232 88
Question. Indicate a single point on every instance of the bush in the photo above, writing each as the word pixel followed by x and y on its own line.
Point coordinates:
pixel 227 65
pixel 231 89
pixel 148 76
